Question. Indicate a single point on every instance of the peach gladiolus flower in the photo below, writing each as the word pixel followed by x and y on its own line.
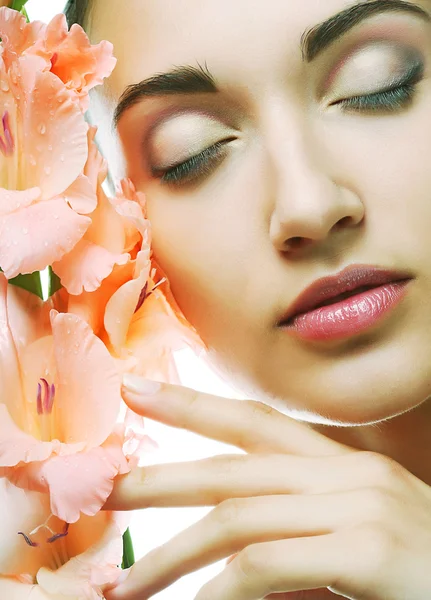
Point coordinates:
pixel 59 403
pixel 80 65
pixel 110 275
pixel 45 198
pixel 43 558
pixel 116 229
pixel 67 54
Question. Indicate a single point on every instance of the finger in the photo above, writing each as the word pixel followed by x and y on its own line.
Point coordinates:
pixel 247 424
pixel 233 526
pixel 280 566
pixel 209 481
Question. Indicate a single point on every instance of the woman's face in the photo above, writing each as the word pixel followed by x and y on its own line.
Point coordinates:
pixel 298 187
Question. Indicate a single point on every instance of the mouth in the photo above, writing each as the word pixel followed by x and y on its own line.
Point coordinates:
pixel 334 300
pixel 346 303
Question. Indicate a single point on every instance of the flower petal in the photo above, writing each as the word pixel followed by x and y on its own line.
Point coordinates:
pixel 11 200
pixel 37 236
pixel 18 447
pixel 78 483
pixel 89 391
pixel 122 304
pixel 21 511
pixel 12 589
pixel 86 266
pixel 81 196
pixel 56 148
pixel 84 574
pixel 10 380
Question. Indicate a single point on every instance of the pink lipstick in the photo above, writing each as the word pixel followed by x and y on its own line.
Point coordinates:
pixel 345 304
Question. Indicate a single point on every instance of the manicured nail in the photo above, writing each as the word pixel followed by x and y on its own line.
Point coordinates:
pixel 112 587
pixel 139 385
pixel 124 575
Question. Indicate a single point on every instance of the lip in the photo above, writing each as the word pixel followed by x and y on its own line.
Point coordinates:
pixel 347 280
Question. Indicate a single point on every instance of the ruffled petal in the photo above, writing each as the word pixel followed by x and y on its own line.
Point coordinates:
pixel 78 64
pixel 16 34
pixel 37 236
pixel 86 266
pixel 89 388
pixel 78 483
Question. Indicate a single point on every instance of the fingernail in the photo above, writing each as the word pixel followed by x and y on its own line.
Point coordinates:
pixel 124 575
pixel 112 587
pixel 139 385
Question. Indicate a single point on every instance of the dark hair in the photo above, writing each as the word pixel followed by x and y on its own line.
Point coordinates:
pixel 75 11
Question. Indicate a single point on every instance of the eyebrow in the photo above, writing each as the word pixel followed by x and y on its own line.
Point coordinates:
pixel 188 79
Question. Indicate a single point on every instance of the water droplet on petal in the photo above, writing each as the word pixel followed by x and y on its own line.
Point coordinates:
pixel 47 170
pixel 4 85
pixel 62 157
pixel 32 160
pixel 49 147
pixel 41 128
pixel 25 230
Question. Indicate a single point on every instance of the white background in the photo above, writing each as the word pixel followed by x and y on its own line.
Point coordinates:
pixel 152 527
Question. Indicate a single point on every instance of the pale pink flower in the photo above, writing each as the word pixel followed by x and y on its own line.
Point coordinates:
pixel 132 310
pixel 117 228
pixel 44 558
pixel 59 404
pixel 80 65
pixel 67 54
pixel 45 198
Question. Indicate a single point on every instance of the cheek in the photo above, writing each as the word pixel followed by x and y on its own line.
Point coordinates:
pixel 210 247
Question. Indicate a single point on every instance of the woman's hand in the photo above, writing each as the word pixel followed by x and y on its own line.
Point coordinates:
pixel 301 511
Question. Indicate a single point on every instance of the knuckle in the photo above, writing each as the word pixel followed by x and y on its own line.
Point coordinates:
pixel 258 409
pixel 251 564
pixel 228 513
pixel 373 554
pixel 375 544
pixel 377 504
pixel 383 469
pixel 190 404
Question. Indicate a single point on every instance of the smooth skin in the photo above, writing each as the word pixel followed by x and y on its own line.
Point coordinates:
pixel 300 511
pixel 307 187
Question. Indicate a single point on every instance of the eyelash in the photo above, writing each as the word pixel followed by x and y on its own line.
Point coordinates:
pixel 203 164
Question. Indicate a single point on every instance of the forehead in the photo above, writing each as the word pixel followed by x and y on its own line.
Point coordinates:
pixel 234 37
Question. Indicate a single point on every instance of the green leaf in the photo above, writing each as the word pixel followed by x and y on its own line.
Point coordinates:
pixel 30 282
pixel 54 283
pixel 18 4
pixel 128 554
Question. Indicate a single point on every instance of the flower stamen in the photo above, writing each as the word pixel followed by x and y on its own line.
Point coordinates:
pixel 7 145
pixel 44 405
pixel 27 539
pixel 57 536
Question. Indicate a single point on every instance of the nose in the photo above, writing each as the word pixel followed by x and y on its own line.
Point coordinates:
pixel 311 201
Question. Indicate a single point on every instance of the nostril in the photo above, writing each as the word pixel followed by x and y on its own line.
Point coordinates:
pixel 343 222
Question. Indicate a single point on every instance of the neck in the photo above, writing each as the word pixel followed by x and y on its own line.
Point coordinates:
pixel 405 438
